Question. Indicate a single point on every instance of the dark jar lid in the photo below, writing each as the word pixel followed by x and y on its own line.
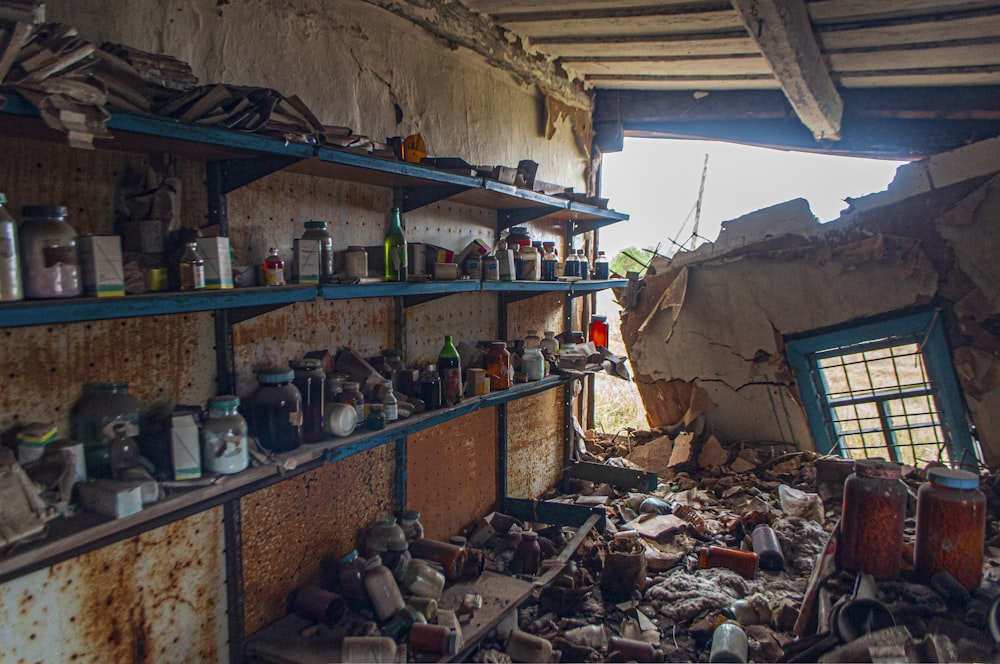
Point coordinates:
pixel 44 211
pixel 274 376
pixel 307 363
pixel 108 387
pixel 952 478
pixel 224 402
pixel 322 225
pixel 879 468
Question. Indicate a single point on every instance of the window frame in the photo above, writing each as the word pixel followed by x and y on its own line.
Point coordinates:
pixel 926 331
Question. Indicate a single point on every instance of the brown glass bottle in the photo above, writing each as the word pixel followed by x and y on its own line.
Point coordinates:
pixel 743 563
pixel 450 557
pixel 951 527
pixel 871 528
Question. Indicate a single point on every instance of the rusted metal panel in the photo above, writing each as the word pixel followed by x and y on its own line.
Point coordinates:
pixel 534 443
pixel 165 360
pixel 451 472
pixel 290 528
pixel 158 597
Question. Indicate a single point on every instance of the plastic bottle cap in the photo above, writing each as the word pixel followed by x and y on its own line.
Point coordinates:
pixel 274 376
pixel 349 557
pixel 317 224
pixel 3 198
pixel 44 211
pixel 598 317
pixel 878 468
pixel 953 478
pixel 224 402
pixel 410 515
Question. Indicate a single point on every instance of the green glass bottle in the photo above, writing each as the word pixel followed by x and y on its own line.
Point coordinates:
pixel 450 370
pixel 395 249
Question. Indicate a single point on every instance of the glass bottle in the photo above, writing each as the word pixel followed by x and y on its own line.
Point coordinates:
pixel 525 647
pixel 93 419
pixel 550 343
pixel 951 526
pixel 597 333
pixel 334 386
pixel 224 436
pixel 632 650
pixel 49 261
pixel 382 589
pixel 10 265
pixel 191 267
pixel 393 360
pixel 430 387
pixel 768 548
pixel 410 523
pixel 376 418
pixel 549 262
pixel 352 396
pixel 356 262
pixel 395 248
pixel 449 366
pixel 310 379
pixel 473 266
pixel 384 531
pixel 390 405
pixel 871 527
pixel 527 556
pixel 505 263
pixel 433 639
pixel 491 267
pixel 319 231
pixel 571 267
pixel 498 366
pixel 602 268
pixel 532 340
pixel 123 452
pixel 276 411
pixel 729 643
pixel 274 269
pixel 350 577
pixel 423 580
pixel 584 264
pixel 533 364
pixel 743 563
pixel 450 557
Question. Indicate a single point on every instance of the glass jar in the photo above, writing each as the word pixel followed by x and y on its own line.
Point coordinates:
pixel 632 650
pixel 951 527
pixel 410 523
pixel 49 261
pixel 602 268
pixel 550 262
pixel 430 387
pixel 498 366
pixel 533 364
pixel 571 268
pixel 450 557
pixel 224 436
pixel 505 263
pixel 376 417
pixel 93 419
pixel 743 563
pixel 319 231
pixel 350 578
pixel 532 340
pixel 352 397
pixel 433 639
pixel 597 333
pixel 729 644
pixel 123 453
pixel 423 580
pixel 310 380
pixel 191 267
pixel 527 556
pixel 356 262
pixel 871 527
pixel 491 267
pixel 382 589
pixel 381 533
pixel 473 266
pixel 10 265
pixel 394 365
pixel 525 647
pixel 768 548
pixel 550 343
pixel 276 411
pixel 334 386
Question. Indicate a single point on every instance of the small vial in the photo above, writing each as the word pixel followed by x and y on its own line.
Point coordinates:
pixel 192 268
pixel 274 269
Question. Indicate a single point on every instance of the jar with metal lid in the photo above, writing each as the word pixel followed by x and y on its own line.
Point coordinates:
pixel 334 386
pixel 409 521
pixel 318 230
pixel 93 419
pixel 533 364
pixel 423 580
pixel 49 261
pixel 951 526
pixel 597 331
pixel 276 411
pixel 224 436
pixel 310 380
pixel 602 268
pixel 381 533
pixel 10 265
pixel 491 267
pixel 382 589
pixel 356 262
pixel 498 366
pixel 871 527
pixel 352 397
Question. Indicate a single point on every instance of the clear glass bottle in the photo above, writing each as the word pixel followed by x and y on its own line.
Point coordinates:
pixel 729 643
pixel 533 364
pixel 423 580
pixel 319 231
pixel 550 262
pixel 49 261
pixel 505 263
pixel 191 267
pixel 310 380
pixel 449 367
pixel 93 419
pixel 430 387
pixel 390 405
pixel 498 366
pixel 224 436
pixel 274 269
pixel 276 410
pixel 602 267
pixel 951 526
pixel 871 525
pixel 410 523
pixel 395 366
pixel 356 262
pixel 384 531
pixel 382 589
pixel 550 343
pixel 352 396
pixel 395 249
pixel 473 266
pixel 123 452
pixel 532 340
pixel 10 264
pixel 350 577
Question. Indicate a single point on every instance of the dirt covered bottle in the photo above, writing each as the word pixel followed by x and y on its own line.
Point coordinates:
pixel 395 249
pixel 450 370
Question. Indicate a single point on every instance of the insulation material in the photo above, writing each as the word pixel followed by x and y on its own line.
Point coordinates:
pixel 451 472
pixel 157 597
pixel 294 530
pixel 534 444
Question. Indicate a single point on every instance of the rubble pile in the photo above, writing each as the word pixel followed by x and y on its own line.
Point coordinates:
pixel 660 574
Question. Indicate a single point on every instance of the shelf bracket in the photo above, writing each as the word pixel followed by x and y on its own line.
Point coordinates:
pixel 414 300
pixel 246 313
pixel 625 478
pixel 238 173
pixel 418 197
pixel 514 216
pixel 562 514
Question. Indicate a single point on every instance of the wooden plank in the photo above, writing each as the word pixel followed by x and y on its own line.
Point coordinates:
pixel 959 56
pixel 921 79
pixel 542 31
pixel 501 7
pixel 832 11
pixel 672 66
pixel 725 43
pixel 839 37
pixel 500 594
pixel 682 83
pixel 784 35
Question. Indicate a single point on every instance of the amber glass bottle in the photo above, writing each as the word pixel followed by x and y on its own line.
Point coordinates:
pixel 951 527
pixel 871 528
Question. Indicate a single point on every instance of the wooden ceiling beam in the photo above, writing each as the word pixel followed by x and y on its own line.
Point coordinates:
pixel 784 35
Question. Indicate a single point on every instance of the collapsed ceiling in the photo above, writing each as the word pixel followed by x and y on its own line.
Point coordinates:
pixel 895 78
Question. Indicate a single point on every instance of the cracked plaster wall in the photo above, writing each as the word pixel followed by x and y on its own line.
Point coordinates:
pixel 353 64
pixel 710 330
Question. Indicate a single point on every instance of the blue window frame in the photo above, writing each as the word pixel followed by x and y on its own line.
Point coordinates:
pixel 886 389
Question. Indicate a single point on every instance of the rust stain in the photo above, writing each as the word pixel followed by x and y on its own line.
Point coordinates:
pixel 291 527
pixel 451 472
pixel 544 312
pixel 534 443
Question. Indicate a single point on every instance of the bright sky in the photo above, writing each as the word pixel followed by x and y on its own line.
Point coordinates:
pixel 656 181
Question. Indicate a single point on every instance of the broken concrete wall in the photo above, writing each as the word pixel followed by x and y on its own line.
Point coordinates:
pixel 709 329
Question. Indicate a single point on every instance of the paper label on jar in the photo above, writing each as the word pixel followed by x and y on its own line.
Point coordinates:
pixel 274 277
pixel 108 430
pixel 55 256
pixel 228 444
pixel 295 418
pixel 391 412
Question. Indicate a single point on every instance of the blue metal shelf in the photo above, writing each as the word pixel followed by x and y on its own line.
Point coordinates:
pixel 397 289
pixel 526 286
pixel 47 312
pixel 590 286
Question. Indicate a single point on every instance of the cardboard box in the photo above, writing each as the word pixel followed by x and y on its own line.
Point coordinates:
pixel 111 498
pixel 218 264
pixel 185 446
pixel 306 265
pixel 101 261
